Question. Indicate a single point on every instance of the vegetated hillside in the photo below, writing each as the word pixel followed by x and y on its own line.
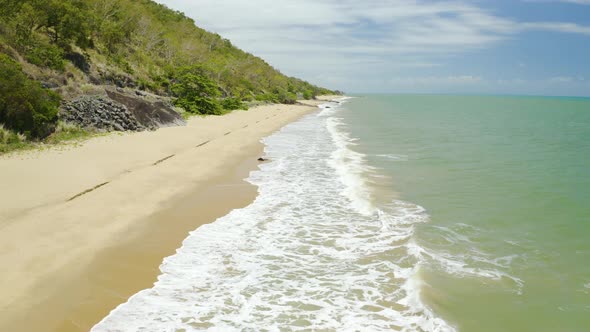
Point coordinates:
pixel 76 47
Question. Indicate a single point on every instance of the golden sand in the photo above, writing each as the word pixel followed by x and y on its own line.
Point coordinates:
pixel 84 228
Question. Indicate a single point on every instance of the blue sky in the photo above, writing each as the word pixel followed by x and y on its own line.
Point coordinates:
pixel 537 47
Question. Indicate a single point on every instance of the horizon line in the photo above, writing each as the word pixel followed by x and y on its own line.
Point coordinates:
pixel 467 94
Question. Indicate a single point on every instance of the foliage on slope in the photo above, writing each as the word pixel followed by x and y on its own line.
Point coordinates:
pixel 24 105
pixel 142 43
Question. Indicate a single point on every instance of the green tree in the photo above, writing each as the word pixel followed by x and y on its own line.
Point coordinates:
pixel 112 23
pixel 63 21
pixel 24 20
pixel 9 7
pixel 25 106
pixel 195 92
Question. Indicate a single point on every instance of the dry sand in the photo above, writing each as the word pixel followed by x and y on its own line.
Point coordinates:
pixel 84 228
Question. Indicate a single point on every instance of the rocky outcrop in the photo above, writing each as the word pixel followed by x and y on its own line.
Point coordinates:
pixel 81 61
pixel 149 112
pixel 105 77
pixel 100 113
pixel 120 111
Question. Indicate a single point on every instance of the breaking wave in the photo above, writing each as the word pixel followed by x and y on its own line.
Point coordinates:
pixel 312 252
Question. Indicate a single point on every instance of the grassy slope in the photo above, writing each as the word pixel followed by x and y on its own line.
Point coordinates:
pixel 77 46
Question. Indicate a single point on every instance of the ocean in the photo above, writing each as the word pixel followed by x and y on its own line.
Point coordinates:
pixel 396 213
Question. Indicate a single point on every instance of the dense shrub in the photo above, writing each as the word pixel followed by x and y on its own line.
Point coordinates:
pixel 308 95
pixel 267 97
pixel 25 106
pixel 46 55
pixel 286 97
pixel 231 104
pixel 195 92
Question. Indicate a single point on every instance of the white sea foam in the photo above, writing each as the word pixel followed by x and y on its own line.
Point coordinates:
pixel 351 167
pixel 312 252
pixel 327 109
pixel 394 157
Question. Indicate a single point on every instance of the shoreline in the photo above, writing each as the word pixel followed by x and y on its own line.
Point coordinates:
pixel 67 256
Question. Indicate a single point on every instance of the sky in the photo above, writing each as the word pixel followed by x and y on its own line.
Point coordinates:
pixel 522 47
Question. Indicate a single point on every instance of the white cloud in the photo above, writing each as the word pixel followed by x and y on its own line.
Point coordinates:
pixel 557 27
pixel 559 85
pixel 579 2
pixel 436 80
pixel 561 79
pixel 350 38
pixel 435 84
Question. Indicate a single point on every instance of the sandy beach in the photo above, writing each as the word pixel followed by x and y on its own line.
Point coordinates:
pixel 85 227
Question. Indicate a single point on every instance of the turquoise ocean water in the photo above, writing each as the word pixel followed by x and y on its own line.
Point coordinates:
pixel 396 213
pixel 506 184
